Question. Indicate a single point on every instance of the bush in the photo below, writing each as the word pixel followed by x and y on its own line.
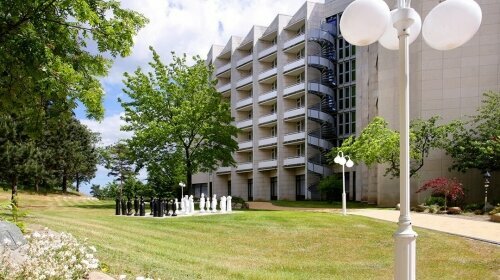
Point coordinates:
pixel 495 210
pixel 49 255
pixel 237 200
pixel 473 207
pixel 331 186
pixel 448 188
pixel 435 200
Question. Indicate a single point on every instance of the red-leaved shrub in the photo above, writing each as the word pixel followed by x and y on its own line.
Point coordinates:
pixel 449 188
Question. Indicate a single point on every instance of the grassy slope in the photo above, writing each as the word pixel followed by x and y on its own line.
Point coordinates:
pixel 256 244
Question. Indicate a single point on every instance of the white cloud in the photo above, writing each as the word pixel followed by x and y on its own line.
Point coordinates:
pixel 192 26
pixel 109 129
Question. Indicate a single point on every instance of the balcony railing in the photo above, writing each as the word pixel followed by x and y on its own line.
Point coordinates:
pixel 224 88
pixel 269 141
pixel 244 102
pixel 244 166
pixel 272 49
pixel 244 81
pixel 270 95
pixel 223 170
pixel 244 60
pixel 294 89
pixel 294 65
pixel 268 73
pixel 294 161
pixel 268 164
pixel 294 112
pixel 294 137
pixel 294 41
pixel 245 145
pixel 268 118
pixel 244 123
pixel 223 69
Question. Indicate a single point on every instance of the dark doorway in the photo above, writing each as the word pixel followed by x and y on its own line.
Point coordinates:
pixel 274 188
pixel 250 190
pixel 228 187
pixel 300 187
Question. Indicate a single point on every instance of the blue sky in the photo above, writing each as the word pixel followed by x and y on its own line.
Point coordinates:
pixel 183 26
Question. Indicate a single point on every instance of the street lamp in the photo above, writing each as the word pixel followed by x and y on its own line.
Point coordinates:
pixel 487 177
pixel 341 159
pixel 447 26
pixel 182 185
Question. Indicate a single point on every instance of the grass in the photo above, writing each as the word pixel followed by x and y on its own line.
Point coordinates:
pixel 255 244
pixel 321 204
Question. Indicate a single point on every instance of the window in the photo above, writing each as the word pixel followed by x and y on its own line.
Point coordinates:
pixel 250 114
pixel 274 108
pixel 300 126
pixel 249 135
pixel 273 154
pixel 274 188
pixel 300 78
pixel 273 131
pixel 300 149
pixel 300 187
pixel 250 189
pixel 228 187
pixel 250 157
pixel 301 102
pixel 301 54
pixel 274 85
pixel 274 63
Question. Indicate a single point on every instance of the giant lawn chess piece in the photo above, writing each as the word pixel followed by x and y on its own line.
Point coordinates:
pixel 208 204
pixel 136 206
pixel 124 207
pixel 142 207
pixel 174 208
pixel 118 206
pixel 151 205
pixel 191 204
pixel 155 207
pixel 223 204
pixel 129 207
pixel 167 207
pixel 229 205
pixel 214 204
pixel 202 203
pixel 186 204
pixel 162 208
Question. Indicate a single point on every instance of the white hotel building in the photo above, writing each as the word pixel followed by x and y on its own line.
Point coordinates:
pixel 297 89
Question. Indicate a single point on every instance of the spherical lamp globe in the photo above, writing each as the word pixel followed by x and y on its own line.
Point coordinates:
pixel 390 40
pixel 349 163
pixel 451 24
pixel 342 161
pixel 364 21
pixel 336 159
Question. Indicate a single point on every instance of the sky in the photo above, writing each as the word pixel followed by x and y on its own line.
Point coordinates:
pixel 182 26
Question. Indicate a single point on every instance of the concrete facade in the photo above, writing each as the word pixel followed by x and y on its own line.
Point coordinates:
pixel 297 89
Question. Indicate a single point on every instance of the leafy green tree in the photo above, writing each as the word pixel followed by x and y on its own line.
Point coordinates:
pixel 46 52
pixel 476 144
pixel 176 112
pixel 377 143
pixel 331 187
pixel 118 160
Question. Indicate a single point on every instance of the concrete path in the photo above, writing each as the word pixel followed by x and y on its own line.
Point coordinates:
pixel 480 230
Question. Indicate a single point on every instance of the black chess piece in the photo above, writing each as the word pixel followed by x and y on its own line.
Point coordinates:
pixel 156 209
pixel 118 206
pixel 167 207
pixel 136 206
pixel 142 207
pixel 129 207
pixel 162 207
pixel 124 207
pixel 151 205
pixel 174 208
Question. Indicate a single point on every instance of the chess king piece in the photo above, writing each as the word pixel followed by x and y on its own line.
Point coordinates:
pixel 202 203
pixel 142 207
pixel 223 204
pixel 214 204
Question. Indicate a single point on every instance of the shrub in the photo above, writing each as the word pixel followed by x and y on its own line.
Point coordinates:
pixel 434 208
pixel 49 255
pixel 495 210
pixel 237 200
pixel 331 186
pixel 449 188
pixel 473 207
pixel 435 200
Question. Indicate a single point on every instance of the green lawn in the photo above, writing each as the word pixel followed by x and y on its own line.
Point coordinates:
pixel 256 244
pixel 321 204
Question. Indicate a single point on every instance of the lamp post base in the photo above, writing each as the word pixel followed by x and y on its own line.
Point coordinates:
pixel 405 255
pixel 344 204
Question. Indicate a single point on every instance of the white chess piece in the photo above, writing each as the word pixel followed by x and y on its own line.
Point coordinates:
pixel 208 204
pixel 229 205
pixel 191 204
pixel 223 204
pixel 214 204
pixel 186 204
pixel 176 205
pixel 202 203
pixel 183 209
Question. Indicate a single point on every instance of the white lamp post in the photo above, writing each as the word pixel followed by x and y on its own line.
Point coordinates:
pixel 182 185
pixel 341 159
pixel 448 25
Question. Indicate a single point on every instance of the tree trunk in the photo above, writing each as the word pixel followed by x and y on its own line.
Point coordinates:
pixel 189 177
pixel 77 182
pixel 37 185
pixel 65 184
pixel 14 186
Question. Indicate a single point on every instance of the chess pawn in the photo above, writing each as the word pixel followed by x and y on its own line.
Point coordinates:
pixel 208 204
pixel 136 206
pixel 223 204
pixel 214 204
pixel 142 207
pixel 229 205
pixel 202 203
pixel 174 208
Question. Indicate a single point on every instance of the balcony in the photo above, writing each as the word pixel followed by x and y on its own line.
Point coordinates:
pixel 294 65
pixel 294 161
pixel 268 164
pixel 245 145
pixel 268 96
pixel 269 51
pixel 294 137
pixel 244 81
pixel 269 141
pixel 244 60
pixel 244 103
pixel 294 41
pixel 295 113
pixel 244 167
pixel 244 124
pixel 268 119
pixel 223 170
pixel 268 74
pixel 224 88
pixel 293 89
pixel 223 69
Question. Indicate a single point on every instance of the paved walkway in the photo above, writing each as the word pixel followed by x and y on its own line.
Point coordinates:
pixel 480 230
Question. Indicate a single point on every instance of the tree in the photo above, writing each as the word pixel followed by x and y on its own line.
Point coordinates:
pixel 47 55
pixel 377 143
pixel 117 159
pixel 476 144
pixel 331 186
pixel 449 188
pixel 176 112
